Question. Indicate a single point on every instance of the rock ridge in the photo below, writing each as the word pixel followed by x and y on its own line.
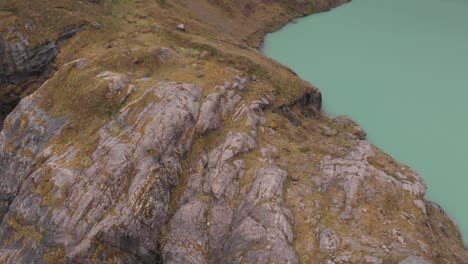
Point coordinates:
pixel 151 144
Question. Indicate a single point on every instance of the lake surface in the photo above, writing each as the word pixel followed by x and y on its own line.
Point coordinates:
pixel 400 69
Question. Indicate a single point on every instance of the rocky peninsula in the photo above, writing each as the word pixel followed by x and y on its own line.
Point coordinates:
pixel 156 132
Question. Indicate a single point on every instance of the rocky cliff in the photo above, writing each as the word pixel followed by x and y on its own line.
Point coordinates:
pixel 154 132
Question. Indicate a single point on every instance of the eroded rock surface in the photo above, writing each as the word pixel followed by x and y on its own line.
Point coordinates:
pixel 18 60
pixel 127 155
pixel 353 170
pixel 120 199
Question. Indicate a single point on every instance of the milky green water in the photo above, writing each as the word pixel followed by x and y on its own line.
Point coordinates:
pixel 399 68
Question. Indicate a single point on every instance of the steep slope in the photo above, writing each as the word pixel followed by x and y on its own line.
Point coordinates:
pixel 153 144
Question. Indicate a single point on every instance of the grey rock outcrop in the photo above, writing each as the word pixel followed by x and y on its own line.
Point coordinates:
pixel 240 83
pixel 209 118
pixel 253 112
pixel 117 82
pixel 27 130
pixel 351 171
pixel 106 163
pixel 125 211
pixel 261 230
pixel 187 239
pixel 233 227
pixel 18 60
pixel 217 107
pixel 134 198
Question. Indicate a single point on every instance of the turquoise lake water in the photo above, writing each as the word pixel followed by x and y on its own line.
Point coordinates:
pixel 400 69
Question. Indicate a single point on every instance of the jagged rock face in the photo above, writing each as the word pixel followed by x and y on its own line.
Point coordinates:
pixel 27 132
pixel 124 210
pixel 233 225
pixel 120 200
pixel 117 206
pixel 217 169
pixel 353 170
pixel 19 61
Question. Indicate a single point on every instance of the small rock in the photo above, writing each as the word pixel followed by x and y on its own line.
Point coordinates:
pixel 294 177
pixel 117 81
pixel 240 83
pixel 204 54
pixel 328 239
pixel 386 248
pixel 398 235
pixel 163 54
pixel 181 27
pixel 423 246
pixel 421 205
pixel 79 63
pixel 96 25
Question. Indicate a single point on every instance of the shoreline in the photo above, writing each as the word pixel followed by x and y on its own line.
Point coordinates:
pixel 281 24
pixel 261 50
